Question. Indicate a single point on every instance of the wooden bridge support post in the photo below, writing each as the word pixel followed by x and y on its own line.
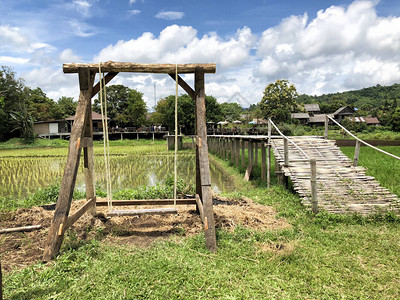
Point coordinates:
pixel 286 152
pixel 57 228
pixel 223 148
pixel 228 149
pixel 313 179
pixel 268 165
pixel 243 161
pixel 255 154
pixel 263 161
pixel 356 153
pixel 250 153
pixel 326 127
pixel 205 178
pixel 269 155
pixel 250 160
pixel 237 152
pixel 279 173
pixel 232 147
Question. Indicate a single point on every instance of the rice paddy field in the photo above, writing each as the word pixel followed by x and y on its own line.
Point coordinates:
pixel 384 168
pixel 23 171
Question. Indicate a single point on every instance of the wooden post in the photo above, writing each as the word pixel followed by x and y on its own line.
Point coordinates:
pixel 243 153
pixel 232 147
pixel 286 152
pixel 201 132
pixel 313 179
pixel 269 165
pixel 223 148
pixel 269 131
pixel 249 168
pixel 237 152
pixel 279 172
pixel 250 152
pixel 326 127
pixel 226 148
pixel 255 154
pixel 356 153
pixel 56 231
pixel 263 161
pixel 88 156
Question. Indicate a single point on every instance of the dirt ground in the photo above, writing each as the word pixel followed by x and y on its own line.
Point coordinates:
pixel 20 249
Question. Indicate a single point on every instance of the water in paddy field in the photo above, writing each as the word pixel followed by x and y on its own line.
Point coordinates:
pixel 21 176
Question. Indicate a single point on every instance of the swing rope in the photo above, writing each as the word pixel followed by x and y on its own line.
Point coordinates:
pixel 176 134
pixel 106 143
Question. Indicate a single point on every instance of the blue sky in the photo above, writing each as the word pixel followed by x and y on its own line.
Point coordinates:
pixel 320 46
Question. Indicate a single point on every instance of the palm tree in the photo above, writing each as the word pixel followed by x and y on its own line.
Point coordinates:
pixel 23 122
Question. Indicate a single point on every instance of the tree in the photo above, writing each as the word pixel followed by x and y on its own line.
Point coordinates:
pixel 40 107
pixel 165 112
pixel 125 106
pixel 396 120
pixel 23 123
pixel 66 106
pixel 213 110
pixel 231 111
pixel 165 109
pixel 279 101
pixel 13 97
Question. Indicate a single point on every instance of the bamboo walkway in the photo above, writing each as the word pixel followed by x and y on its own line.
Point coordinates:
pixel 341 187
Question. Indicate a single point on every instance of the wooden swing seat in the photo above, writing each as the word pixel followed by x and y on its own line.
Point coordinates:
pixel 139 212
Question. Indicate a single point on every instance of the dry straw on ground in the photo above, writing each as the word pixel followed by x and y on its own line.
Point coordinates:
pixel 20 249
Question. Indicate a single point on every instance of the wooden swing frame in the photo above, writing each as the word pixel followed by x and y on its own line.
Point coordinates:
pixel 82 137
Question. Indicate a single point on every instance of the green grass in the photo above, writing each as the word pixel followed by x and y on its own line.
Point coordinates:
pixel 384 168
pixel 319 257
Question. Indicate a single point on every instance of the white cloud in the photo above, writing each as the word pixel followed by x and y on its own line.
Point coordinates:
pixel 68 56
pixel 134 12
pixel 81 29
pixel 12 39
pixel 13 60
pixel 334 51
pixel 133 1
pixel 342 47
pixel 170 15
pixel 82 7
pixel 180 44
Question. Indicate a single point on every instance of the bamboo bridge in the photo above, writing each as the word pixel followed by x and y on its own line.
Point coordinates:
pixel 323 177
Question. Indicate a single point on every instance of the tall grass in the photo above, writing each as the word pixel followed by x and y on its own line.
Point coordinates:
pixel 384 168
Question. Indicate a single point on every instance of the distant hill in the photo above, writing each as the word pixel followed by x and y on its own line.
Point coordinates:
pixel 372 100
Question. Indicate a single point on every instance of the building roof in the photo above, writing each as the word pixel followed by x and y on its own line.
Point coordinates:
pixel 95 116
pixel 300 116
pixel 311 107
pixel 368 120
pixel 372 120
pixel 318 118
pixel 342 111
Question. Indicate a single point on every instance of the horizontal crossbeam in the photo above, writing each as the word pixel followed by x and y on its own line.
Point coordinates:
pixel 147 202
pixel 111 66
pixel 139 212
